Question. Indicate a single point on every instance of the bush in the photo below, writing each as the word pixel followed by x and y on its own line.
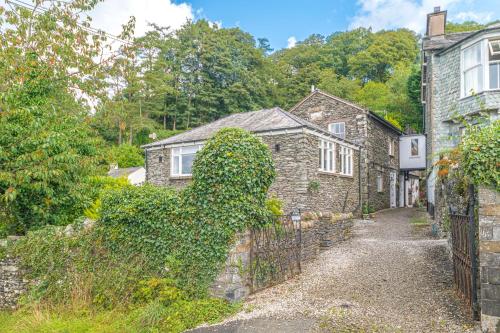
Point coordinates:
pixel 125 156
pixel 480 149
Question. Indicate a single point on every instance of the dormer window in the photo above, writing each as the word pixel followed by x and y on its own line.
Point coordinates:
pixel 480 67
pixel 338 129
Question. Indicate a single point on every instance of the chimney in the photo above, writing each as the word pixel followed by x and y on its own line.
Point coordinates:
pixel 436 22
pixel 313 89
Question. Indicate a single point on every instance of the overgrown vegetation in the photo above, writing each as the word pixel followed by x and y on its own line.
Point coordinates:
pixel 153 248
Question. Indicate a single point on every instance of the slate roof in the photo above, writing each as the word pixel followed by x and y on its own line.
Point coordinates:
pixel 267 120
pixel 445 41
pixel 122 172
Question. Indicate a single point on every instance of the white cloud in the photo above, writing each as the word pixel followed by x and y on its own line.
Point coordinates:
pixel 473 16
pixel 411 14
pixel 291 41
pixel 110 15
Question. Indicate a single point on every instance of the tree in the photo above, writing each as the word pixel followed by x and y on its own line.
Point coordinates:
pixel 452 27
pixel 388 49
pixel 337 85
pixel 125 156
pixel 45 157
pixel 375 96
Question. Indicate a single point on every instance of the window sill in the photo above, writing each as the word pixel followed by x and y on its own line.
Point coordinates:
pixel 328 173
pixel 180 177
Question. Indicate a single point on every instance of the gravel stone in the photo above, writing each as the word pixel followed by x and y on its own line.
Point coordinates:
pixel 389 277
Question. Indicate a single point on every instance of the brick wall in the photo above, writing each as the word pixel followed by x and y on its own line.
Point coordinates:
pixel 489 257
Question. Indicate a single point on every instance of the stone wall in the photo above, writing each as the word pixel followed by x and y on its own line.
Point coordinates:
pixel 363 129
pixel 12 283
pixel 318 233
pixel 296 161
pixel 489 257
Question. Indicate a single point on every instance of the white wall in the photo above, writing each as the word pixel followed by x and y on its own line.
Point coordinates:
pixel 138 177
pixel 406 160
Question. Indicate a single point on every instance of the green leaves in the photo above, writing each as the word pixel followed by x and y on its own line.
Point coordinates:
pixel 45 157
pixel 480 148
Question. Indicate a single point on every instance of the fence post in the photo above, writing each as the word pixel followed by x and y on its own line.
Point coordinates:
pixel 472 242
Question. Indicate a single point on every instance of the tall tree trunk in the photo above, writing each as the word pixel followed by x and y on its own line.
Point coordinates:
pixel 188 112
pixel 164 121
pixel 174 122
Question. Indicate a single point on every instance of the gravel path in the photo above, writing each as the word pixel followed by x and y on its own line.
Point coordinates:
pixel 390 277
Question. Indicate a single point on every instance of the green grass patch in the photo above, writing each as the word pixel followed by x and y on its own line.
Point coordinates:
pixel 419 221
pixel 152 317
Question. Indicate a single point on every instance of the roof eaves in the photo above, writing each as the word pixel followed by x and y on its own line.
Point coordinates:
pixel 475 33
pixel 384 122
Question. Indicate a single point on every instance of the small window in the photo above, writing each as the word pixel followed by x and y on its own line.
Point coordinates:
pixel 414 147
pixel 182 160
pixel 380 183
pixel 392 147
pixel 160 159
pixel 338 129
pixel 326 156
pixel 346 165
pixel 277 148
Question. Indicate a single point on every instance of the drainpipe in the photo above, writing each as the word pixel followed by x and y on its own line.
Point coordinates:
pixel 146 163
pixel 360 190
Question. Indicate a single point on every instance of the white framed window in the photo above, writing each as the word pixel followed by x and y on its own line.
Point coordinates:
pixel 380 183
pixel 326 156
pixel 338 129
pixel 472 69
pixel 182 160
pixel 392 147
pixel 480 66
pixel 346 164
pixel 494 64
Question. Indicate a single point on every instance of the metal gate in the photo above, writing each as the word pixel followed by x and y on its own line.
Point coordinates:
pixel 464 238
pixel 275 253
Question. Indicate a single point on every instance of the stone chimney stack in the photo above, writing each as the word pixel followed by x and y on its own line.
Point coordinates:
pixel 436 22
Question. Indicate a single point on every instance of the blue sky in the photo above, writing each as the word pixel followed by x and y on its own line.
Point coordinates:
pixel 284 22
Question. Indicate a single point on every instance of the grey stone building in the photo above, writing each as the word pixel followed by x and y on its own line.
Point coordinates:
pixel 378 139
pixel 460 82
pixel 317 171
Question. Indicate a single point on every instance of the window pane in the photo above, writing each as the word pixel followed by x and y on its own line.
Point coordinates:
pixel 494 76
pixel 320 157
pixel 175 170
pixel 414 147
pixel 190 149
pixel 187 163
pixel 330 160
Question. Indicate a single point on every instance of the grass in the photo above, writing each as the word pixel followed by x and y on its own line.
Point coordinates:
pixel 419 221
pixel 152 317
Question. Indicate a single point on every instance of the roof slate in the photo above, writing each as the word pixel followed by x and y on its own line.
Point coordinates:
pixel 122 172
pixel 266 120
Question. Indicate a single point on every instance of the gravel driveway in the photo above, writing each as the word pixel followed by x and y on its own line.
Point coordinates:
pixel 390 277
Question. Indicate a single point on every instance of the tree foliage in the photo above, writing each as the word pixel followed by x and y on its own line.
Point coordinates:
pixel 45 157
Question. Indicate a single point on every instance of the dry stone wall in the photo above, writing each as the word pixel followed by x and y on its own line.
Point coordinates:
pixel 12 283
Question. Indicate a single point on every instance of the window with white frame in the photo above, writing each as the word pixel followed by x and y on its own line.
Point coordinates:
pixel 380 183
pixel 346 164
pixel 494 64
pixel 326 156
pixel 481 66
pixel 182 160
pixel 472 69
pixel 338 129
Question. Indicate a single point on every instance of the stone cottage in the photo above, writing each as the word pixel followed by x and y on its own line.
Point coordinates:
pixel 317 171
pixel 378 139
pixel 460 79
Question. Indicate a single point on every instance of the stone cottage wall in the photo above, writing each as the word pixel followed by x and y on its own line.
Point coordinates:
pixel 489 257
pixel 296 162
pixel 362 129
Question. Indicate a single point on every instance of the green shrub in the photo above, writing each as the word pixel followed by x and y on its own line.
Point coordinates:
pixel 480 149
pixel 125 156
pixel 274 205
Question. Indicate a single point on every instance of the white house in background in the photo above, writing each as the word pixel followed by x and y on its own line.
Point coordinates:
pixel 412 159
pixel 135 175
